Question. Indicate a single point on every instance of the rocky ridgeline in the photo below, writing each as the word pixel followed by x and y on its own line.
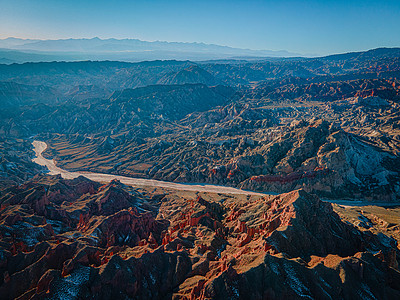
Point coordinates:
pixel 16 164
pixel 329 125
pixel 324 89
pixel 79 239
pixel 74 78
pixel 192 74
pixel 138 110
pixel 316 155
pixel 320 155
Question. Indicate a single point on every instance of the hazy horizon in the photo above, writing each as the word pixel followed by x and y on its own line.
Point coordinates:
pixel 180 42
pixel 312 27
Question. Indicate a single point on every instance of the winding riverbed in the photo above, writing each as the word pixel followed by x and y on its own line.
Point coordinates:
pixel 39 147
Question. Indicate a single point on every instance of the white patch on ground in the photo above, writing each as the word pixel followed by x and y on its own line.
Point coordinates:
pixel 32 235
pixel 325 283
pixel 366 161
pixel 70 286
pixel 219 251
pixel 366 293
pixel 381 177
pixel 385 240
pixel 295 283
pixel 274 268
pixel 153 279
pixel 235 291
pixel 2 255
pixel 58 226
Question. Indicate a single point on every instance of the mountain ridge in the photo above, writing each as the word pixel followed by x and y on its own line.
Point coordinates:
pixel 132 49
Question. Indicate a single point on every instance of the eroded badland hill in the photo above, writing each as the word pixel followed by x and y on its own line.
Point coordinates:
pixel 294 130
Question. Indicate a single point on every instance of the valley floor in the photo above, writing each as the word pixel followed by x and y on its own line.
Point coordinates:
pixel 39 147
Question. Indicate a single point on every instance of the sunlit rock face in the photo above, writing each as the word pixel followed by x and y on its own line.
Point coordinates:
pixel 79 239
pixel 297 130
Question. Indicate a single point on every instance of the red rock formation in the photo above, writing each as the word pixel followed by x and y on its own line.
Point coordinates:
pixel 318 171
pixel 200 247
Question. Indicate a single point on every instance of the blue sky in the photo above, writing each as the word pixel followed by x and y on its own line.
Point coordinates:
pixel 316 27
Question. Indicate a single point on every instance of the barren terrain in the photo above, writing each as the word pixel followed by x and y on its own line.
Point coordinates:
pixel 272 178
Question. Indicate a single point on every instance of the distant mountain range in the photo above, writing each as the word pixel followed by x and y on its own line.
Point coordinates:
pixel 23 50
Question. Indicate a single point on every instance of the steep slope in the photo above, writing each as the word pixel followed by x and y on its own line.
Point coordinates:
pixel 77 239
pixel 14 95
pixel 244 151
pixel 130 109
pixel 262 135
pixel 110 75
pixel 16 164
pixel 172 101
pixel 330 162
pixel 192 74
pixel 324 88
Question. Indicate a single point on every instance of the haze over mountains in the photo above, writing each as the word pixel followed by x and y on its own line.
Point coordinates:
pixel 23 50
pixel 240 113
pixel 295 130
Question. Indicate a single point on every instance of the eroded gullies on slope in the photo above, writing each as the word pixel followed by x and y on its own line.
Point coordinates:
pixel 326 125
pixel 318 156
pixel 221 122
pixel 92 240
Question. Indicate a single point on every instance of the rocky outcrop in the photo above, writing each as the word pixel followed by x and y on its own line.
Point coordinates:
pixel 172 102
pixel 192 74
pixel 332 163
pixel 328 125
pixel 13 95
pixel 317 155
pixel 77 239
pixel 130 109
pixel 16 164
